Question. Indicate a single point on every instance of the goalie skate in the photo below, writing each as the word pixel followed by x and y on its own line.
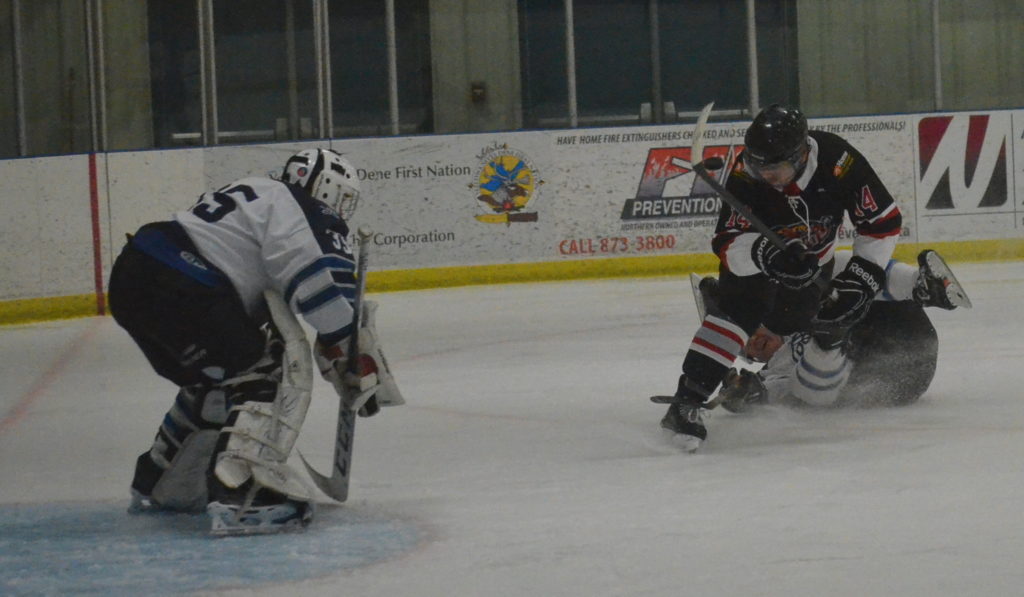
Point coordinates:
pixel 232 519
pixel 936 285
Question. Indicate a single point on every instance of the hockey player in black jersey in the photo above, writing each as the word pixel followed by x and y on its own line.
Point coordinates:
pixel 191 292
pixel 800 184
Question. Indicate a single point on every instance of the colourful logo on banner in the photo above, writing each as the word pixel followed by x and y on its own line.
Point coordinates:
pixel 505 184
pixel 964 164
pixel 665 168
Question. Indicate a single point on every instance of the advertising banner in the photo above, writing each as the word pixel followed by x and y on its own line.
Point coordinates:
pixel 498 199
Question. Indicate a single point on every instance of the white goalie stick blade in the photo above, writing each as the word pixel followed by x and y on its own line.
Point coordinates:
pixel 697 147
pixel 336 485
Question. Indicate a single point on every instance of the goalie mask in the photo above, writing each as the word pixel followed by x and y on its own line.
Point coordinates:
pixel 776 145
pixel 327 176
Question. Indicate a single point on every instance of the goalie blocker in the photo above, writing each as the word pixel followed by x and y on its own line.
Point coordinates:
pixel 374 386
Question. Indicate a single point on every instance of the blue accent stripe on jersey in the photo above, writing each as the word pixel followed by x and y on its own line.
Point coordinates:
pixel 327 262
pixel 336 336
pixel 325 296
pixel 831 385
pixel 819 372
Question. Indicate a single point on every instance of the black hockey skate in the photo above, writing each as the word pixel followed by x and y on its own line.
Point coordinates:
pixel 685 419
pixel 741 390
pixel 255 511
pixel 936 286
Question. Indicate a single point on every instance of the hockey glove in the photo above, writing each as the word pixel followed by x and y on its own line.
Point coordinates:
pixel 793 267
pixel 850 294
pixel 762 345
pixel 374 377
pixel 334 367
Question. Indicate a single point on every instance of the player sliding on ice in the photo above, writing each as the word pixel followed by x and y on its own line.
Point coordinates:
pixel 888 360
pixel 798 185
pixel 197 293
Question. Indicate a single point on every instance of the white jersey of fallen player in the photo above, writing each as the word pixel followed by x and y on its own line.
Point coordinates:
pixel 803 370
pixel 264 234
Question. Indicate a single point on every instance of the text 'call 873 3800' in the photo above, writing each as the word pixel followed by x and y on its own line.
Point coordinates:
pixel 616 244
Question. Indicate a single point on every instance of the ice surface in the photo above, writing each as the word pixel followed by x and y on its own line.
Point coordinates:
pixel 528 461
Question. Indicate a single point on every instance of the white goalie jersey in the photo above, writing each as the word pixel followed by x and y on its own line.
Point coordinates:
pixel 265 234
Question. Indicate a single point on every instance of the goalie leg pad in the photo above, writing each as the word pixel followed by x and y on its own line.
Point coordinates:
pixel 260 437
pixel 261 433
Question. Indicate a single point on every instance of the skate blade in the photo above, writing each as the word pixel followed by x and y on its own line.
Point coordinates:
pixel 954 291
pixel 225 530
pixel 225 521
pixel 681 441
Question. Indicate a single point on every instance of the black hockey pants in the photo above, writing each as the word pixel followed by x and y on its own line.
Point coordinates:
pixel 191 332
pixel 752 301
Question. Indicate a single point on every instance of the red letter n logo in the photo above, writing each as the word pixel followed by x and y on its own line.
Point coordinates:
pixel 963 162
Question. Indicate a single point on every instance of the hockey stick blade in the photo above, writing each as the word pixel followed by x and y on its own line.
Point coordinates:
pixel 336 486
pixel 702 167
pixel 710 404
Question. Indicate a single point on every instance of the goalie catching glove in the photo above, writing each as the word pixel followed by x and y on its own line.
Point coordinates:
pixel 369 384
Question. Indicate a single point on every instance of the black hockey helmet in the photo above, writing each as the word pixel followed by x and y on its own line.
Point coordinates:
pixel 776 140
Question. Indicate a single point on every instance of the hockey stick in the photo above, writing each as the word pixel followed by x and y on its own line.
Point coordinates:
pixel 336 486
pixel 702 167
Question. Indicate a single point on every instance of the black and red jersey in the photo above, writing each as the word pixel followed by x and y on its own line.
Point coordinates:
pixel 836 182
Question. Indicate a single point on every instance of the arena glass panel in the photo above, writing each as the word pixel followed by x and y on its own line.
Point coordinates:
pixel 359 67
pixel 266 70
pixel 8 95
pixel 542 62
pixel 174 73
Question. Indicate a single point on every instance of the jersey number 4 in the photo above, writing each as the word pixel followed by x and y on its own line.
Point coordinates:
pixel 211 207
pixel 867 204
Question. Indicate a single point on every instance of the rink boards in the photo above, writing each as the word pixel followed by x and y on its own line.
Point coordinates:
pixel 499 207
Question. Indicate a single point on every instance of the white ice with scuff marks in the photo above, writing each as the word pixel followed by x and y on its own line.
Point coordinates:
pixel 528 460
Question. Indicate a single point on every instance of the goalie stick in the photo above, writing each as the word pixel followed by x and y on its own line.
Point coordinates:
pixel 702 167
pixel 336 486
